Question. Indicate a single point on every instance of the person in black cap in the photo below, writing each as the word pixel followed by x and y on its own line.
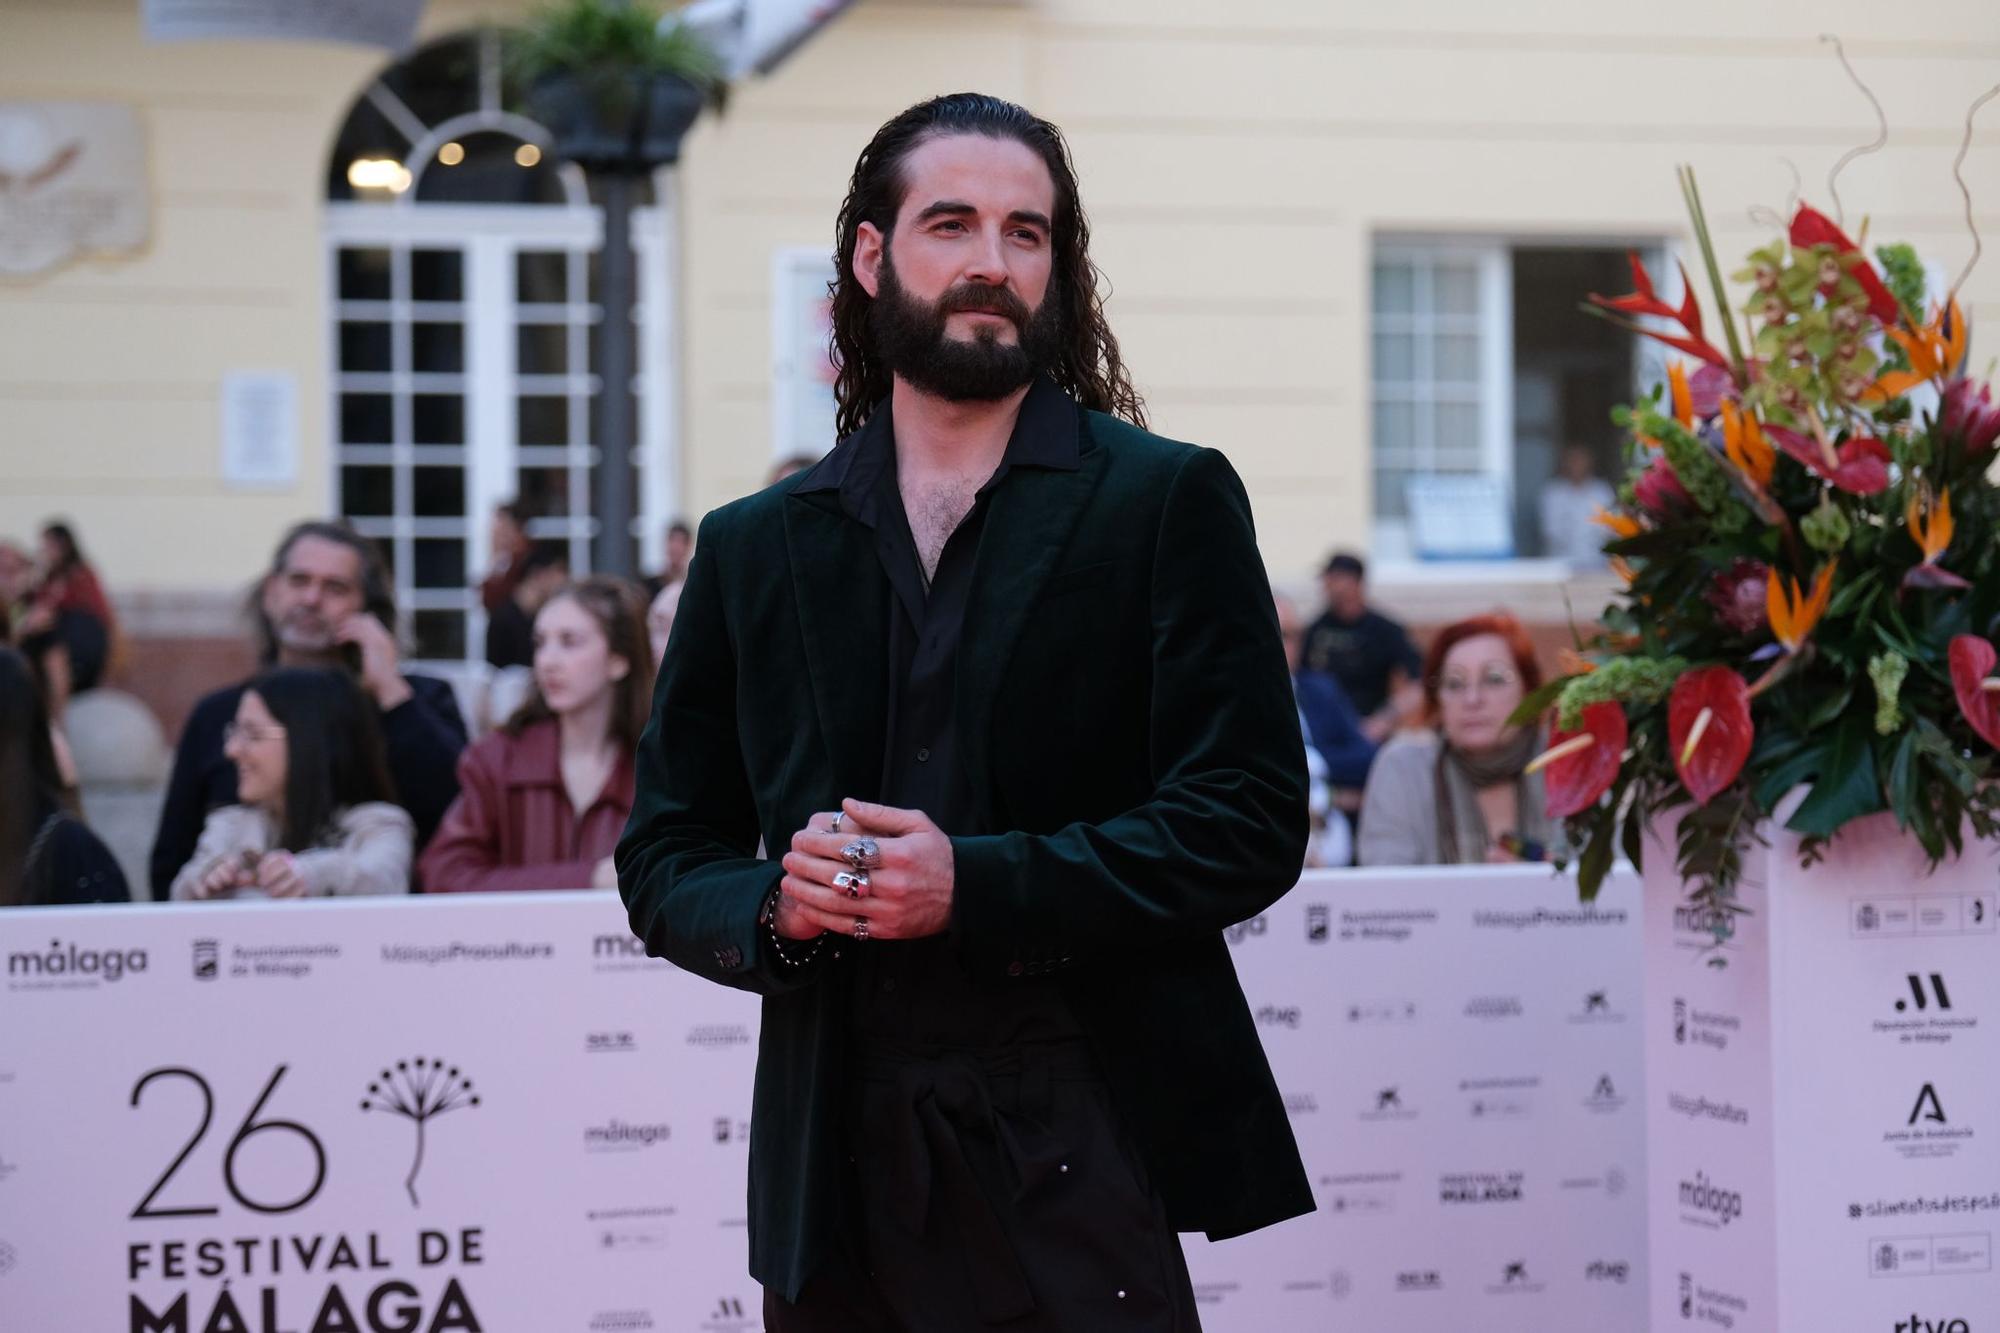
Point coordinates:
pixel 1367 652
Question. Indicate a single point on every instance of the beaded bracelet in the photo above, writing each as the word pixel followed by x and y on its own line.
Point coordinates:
pixel 770 915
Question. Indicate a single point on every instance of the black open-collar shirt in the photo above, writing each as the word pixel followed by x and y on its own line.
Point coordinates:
pixel 915 993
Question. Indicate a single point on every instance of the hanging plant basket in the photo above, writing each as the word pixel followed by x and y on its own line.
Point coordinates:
pixel 630 123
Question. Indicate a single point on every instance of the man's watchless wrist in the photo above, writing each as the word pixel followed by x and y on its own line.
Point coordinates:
pixel 767 916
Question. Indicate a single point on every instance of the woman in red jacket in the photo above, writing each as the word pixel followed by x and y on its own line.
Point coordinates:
pixel 542 800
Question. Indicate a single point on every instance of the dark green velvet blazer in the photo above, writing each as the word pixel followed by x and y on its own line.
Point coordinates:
pixel 1123 708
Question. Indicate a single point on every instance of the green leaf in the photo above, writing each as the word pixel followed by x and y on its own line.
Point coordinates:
pixel 1830 709
pixel 1847 787
pixel 1788 774
pixel 1537 703
pixel 1903 779
pixel 1595 862
pixel 1634 839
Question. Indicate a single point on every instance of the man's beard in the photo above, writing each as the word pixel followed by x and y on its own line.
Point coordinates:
pixel 910 338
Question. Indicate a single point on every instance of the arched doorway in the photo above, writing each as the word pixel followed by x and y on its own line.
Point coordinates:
pixel 462 291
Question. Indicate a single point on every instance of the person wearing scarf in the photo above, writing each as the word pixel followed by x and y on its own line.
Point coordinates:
pixel 1459 793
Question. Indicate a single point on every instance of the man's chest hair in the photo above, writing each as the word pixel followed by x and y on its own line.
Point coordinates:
pixel 935 509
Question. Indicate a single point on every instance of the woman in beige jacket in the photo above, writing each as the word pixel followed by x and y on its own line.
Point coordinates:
pixel 315 816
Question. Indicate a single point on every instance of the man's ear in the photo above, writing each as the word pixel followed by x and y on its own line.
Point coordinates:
pixel 868 242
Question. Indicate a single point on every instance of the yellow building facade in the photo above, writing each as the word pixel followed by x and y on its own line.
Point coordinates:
pixel 1325 225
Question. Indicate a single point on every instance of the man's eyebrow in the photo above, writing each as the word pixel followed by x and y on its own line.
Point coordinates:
pixel 959 208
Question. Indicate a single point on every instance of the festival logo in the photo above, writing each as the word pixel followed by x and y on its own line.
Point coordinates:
pixel 733 1314
pixel 419 1091
pixel 1481 1187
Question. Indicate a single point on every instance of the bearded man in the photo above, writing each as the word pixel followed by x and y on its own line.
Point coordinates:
pixel 1001 681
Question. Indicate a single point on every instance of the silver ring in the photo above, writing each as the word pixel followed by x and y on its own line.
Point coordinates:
pixel 853 883
pixel 860 927
pixel 863 854
pixel 838 815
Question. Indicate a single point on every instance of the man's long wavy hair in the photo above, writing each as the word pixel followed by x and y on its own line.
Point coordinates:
pixel 1089 367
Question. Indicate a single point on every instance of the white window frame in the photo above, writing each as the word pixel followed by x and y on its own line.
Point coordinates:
pixel 490 237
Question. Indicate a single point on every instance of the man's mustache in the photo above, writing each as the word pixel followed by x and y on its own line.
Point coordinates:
pixel 970 298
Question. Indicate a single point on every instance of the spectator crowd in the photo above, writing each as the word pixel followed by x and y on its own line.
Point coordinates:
pixel 334 770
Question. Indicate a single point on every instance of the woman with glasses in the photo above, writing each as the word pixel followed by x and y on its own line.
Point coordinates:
pixel 1459 793
pixel 315 816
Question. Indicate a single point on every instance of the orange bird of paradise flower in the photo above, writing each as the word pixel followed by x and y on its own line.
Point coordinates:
pixel 1930 524
pixel 1623 525
pixel 1683 397
pixel 1935 351
pixel 1794 612
pixel 1743 440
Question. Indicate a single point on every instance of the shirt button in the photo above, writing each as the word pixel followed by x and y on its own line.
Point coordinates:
pixel 889 984
pixel 923 756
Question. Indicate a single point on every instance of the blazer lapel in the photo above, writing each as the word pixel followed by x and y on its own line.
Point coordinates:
pixel 1032 515
pixel 843 612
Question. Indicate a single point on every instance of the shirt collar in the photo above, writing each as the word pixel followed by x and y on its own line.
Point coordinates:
pixel 1048 433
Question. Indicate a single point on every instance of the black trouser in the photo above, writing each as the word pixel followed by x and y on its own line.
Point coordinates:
pixel 993 1190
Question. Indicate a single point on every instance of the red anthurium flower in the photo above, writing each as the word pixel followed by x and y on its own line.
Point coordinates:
pixel 1859 466
pixel 1709 729
pixel 1577 776
pixel 1971 660
pixel 1812 227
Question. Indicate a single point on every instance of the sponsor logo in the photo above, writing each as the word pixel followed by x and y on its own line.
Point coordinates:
pixel 1928 1133
pixel 1708 1205
pixel 1243 930
pixel 1393 924
pixel 1499 1098
pixel 1612 1182
pixel 1604 1098
pixel 1941 914
pixel 1553 917
pixel 1942 1324
pixel 621 1321
pixel 731 1131
pixel 1701 1108
pixel 618 1136
pixel 623 1239
pixel 1930 1256
pixel 1597 1008
pixel 1481 1187
pixel 1709 1305
pixel 1514 1281
pixel 1340 1284
pixel 1382 1011
pixel 288 961
pixel 71 967
pixel 732 1314
pixel 1703 926
pixel 1704 1027
pixel 8 1258
pixel 609 1043
pixel 718 1036
pixel 461 951
pixel 1607 1270
pixel 1319 923
pixel 1301 1103
pixel 1280 1015
pixel 1493 1007
pixel 1943 1205
pixel 1924 1014
pixel 204 960
pixel 419 1091
pixel 1419 1279
pixel 1388 1105
pixel 1367 1194
pixel 7 1169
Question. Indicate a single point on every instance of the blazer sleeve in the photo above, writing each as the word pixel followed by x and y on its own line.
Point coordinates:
pixel 1224 834
pixel 424 736
pixel 373 856
pixel 687 864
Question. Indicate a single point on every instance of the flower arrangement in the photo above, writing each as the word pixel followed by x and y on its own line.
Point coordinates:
pixel 1812 581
